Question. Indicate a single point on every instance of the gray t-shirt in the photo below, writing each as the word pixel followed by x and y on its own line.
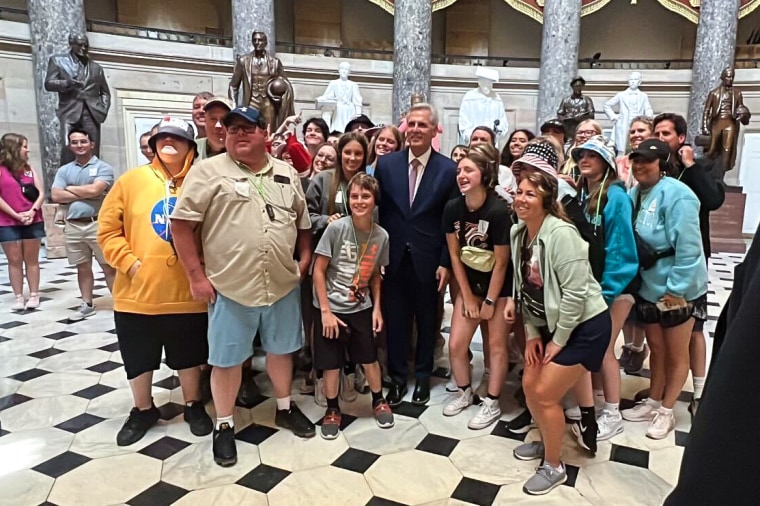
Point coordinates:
pixel 73 174
pixel 345 269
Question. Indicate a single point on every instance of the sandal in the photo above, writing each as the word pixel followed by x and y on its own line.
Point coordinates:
pixel 34 301
pixel 19 304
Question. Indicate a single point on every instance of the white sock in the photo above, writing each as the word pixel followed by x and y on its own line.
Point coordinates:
pixel 612 407
pixel 637 349
pixel 283 403
pixel 560 468
pixel 224 419
pixel 666 411
pixel 654 404
pixel 699 386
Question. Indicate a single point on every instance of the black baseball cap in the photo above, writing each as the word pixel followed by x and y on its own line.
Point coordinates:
pixel 553 123
pixel 361 119
pixel 651 150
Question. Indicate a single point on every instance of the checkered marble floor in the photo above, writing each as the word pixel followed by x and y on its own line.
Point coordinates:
pixel 64 396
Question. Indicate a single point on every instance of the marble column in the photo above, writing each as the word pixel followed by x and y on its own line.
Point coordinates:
pixel 715 50
pixel 412 46
pixel 559 55
pixel 50 24
pixel 250 16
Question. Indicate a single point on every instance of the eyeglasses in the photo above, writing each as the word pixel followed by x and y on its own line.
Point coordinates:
pixel 237 129
pixel 586 132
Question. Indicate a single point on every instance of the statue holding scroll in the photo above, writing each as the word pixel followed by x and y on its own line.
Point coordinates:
pixel 345 96
pixel 724 110
pixel 259 81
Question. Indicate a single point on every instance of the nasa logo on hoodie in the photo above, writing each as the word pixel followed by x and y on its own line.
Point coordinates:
pixel 159 218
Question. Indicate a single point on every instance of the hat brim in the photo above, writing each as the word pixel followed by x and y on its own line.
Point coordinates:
pixel 171 132
pixel 646 156
pixel 227 121
pixel 213 103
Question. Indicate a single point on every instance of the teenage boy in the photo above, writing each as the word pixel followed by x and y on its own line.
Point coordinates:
pixel 347 293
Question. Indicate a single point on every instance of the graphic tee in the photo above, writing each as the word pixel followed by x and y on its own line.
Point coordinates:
pixel 532 289
pixel 353 260
pixel 485 228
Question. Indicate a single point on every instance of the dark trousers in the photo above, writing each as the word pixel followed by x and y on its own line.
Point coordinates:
pixel 88 124
pixel 409 299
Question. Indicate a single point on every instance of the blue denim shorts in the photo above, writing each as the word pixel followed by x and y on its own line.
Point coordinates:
pixel 233 326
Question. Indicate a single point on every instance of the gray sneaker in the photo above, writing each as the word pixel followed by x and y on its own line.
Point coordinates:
pixel 529 451
pixel 83 311
pixel 545 480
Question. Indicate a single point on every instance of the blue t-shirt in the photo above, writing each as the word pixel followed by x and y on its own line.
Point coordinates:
pixel 73 174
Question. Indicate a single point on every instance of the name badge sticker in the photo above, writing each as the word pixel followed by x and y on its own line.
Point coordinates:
pixel 339 197
pixel 482 226
pixel 93 171
pixel 242 188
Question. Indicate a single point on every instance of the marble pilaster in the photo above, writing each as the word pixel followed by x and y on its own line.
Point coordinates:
pixel 715 50
pixel 50 24
pixel 559 55
pixel 412 46
pixel 250 16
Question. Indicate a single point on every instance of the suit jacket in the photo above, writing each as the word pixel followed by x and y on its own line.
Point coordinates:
pixel 419 229
pixel 71 101
pixel 241 75
pixel 712 105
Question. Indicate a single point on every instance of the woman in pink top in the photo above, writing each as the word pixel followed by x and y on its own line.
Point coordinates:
pixel 21 227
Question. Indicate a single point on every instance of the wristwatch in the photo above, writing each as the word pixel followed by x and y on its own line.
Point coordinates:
pixel 488 302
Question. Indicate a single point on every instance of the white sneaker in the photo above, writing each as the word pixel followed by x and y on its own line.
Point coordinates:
pixel 460 402
pixel 489 412
pixel 347 388
pixel 19 304
pixel 319 393
pixel 661 425
pixel 644 411
pixel 610 424
pixel 482 389
pixel 573 413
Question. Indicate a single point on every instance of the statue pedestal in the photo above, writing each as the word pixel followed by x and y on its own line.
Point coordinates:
pixel 328 110
pixel 726 223
pixel 55 242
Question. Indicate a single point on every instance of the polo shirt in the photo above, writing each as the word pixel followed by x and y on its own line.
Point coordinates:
pixel 73 174
pixel 247 248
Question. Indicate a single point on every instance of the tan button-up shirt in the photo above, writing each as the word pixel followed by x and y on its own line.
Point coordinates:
pixel 248 253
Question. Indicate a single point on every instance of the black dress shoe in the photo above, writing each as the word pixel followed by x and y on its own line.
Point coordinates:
pixel 396 394
pixel 421 394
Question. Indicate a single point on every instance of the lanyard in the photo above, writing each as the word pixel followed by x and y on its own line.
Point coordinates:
pixel 363 249
pixel 259 186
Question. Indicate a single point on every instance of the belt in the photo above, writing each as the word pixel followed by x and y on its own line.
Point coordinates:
pixel 88 219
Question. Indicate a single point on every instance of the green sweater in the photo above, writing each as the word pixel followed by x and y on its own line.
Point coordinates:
pixel 571 294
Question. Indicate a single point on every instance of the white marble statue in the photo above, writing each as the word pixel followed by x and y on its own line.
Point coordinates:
pixel 345 98
pixel 483 107
pixel 630 103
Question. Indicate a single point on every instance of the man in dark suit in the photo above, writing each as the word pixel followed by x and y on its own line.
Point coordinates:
pixel 415 185
pixel 83 94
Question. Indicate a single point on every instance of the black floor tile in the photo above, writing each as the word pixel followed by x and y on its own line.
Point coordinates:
pixel 630 456
pixel 11 325
pixel 51 289
pixel 3 339
pixel 438 445
pixel 500 429
pixel 356 460
pixel 80 423
pixel 61 335
pixel 475 492
pixel 105 367
pixel 110 347
pixel 409 409
pixel 13 400
pixel 29 375
pixel 94 391
pixel 255 434
pixel 160 493
pixel 171 410
pixel 164 448
pixel 572 475
pixel 379 501
pixel 263 478
pixel 169 383
pixel 58 281
pixel 3 432
pixel 49 352
pixel 681 438
pixel 685 396
pixel 626 404
pixel 62 464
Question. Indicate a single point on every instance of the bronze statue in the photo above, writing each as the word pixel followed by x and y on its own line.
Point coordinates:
pixel 265 86
pixel 83 94
pixel 724 109
pixel 575 108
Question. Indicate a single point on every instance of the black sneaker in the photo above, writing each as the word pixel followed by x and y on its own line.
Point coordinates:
pixel 636 363
pixel 585 432
pixel 625 357
pixel 248 395
pixel 199 421
pixel 522 423
pixel 225 452
pixel 295 421
pixel 137 425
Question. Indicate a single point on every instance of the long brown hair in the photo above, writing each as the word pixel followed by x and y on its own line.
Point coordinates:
pixel 548 188
pixel 485 157
pixel 10 152
pixel 338 176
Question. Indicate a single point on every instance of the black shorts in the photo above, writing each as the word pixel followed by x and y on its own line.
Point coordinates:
pixel 357 338
pixel 648 313
pixel 587 344
pixel 143 337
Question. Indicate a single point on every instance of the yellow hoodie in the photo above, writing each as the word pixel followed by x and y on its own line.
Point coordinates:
pixel 132 226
